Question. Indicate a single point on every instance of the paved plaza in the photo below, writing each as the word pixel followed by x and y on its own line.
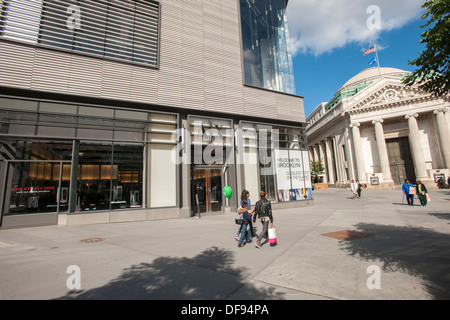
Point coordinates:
pixel 373 248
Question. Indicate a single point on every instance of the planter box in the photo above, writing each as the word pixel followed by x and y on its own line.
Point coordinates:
pixel 320 186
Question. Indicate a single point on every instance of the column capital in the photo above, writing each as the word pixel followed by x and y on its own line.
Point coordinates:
pixel 355 124
pixel 377 121
pixel 443 110
pixel 414 115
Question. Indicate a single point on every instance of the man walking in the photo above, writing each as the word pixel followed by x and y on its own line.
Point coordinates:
pixel 263 209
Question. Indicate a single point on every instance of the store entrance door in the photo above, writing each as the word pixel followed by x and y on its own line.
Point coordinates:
pixel 206 190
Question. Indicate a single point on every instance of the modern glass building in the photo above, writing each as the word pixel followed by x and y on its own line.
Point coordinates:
pixel 138 110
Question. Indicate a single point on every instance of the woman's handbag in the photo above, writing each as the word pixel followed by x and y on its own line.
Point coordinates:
pixel 272 236
pixel 412 191
pixel 428 197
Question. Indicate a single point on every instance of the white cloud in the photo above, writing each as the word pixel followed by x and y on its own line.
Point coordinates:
pixel 319 26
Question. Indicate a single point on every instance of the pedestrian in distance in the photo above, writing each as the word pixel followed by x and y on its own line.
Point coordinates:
pixel 354 188
pixel 422 192
pixel 359 188
pixel 406 188
pixel 263 209
pixel 247 220
pixel 441 183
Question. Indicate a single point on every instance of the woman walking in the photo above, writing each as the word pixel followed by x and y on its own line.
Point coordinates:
pixel 421 193
pixel 245 197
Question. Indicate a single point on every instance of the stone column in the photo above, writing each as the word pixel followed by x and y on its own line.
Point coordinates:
pixel 382 151
pixel 322 158
pixel 329 160
pixel 311 154
pixel 444 134
pixel 316 152
pixel 359 154
pixel 416 146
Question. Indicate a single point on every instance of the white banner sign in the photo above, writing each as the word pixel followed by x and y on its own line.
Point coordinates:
pixel 292 168
pixel 282 169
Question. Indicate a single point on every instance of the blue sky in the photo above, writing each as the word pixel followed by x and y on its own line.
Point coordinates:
pixel 323 64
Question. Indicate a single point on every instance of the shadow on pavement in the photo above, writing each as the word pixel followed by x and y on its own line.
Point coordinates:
pixel 445 216
pixel 419 252
pixel 209 275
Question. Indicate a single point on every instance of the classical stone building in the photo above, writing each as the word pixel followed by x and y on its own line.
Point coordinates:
pixel 381 132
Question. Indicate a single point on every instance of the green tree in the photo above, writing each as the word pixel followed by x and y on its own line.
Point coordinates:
pixel 433 64
pixel 317 169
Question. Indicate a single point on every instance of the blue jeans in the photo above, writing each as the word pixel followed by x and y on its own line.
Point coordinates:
pixel 244 234
pixel 252 231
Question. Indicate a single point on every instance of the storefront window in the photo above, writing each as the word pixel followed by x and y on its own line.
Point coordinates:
pixel 127 185
pixel 38 176
pixel 110 177
pixel 124 157
pixel 94 177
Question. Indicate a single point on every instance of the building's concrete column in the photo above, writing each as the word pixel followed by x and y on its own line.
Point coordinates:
pixel 329 160
pixel 444 134
pixel 73 186
pixel 382 151
pixel 359 155
pixel 416 146
pixel 185 166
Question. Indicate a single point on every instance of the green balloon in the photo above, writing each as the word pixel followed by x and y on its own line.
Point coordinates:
pixel 227 191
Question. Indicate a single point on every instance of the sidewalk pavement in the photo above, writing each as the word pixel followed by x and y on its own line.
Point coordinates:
pixel 403 254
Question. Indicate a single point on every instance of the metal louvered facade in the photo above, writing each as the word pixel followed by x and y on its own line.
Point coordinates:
pixel 125 30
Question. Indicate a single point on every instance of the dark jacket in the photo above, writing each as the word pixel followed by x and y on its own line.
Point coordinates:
pixel 263 208
pixel 247 218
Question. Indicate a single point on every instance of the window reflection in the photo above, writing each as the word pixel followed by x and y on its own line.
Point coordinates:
pixel 265 42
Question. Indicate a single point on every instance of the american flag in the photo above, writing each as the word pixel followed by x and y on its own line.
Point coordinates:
pixel 369 50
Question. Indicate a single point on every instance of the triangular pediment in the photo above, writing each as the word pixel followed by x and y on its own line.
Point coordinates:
pixel 384 94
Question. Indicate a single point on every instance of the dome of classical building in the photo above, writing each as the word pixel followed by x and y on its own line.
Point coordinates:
pixel 372 74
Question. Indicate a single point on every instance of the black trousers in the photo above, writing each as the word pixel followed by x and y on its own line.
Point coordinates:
pixel 410 201
pixel 265 229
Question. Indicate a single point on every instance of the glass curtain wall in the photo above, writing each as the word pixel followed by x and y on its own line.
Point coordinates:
pixel 265 43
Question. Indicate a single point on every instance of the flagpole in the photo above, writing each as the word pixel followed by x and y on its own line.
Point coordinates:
pixel 378 60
